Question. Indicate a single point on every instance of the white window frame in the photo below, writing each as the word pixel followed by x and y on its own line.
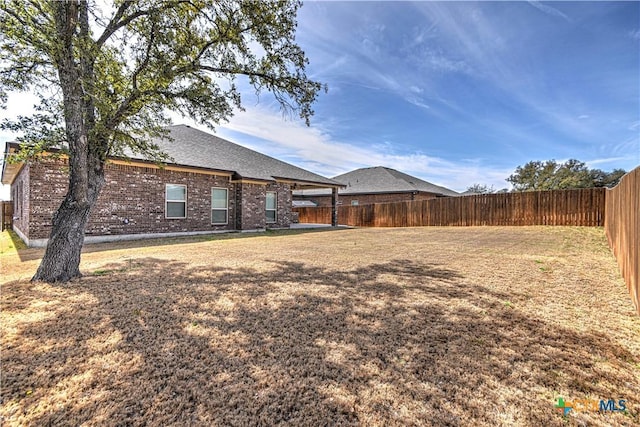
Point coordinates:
pixel 16 201
pixel 220 209
pixel 355 203
pixel 166 201
pixel 20 198
pixel 275 209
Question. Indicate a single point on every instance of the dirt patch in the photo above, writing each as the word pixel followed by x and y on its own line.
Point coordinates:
pixel 415 326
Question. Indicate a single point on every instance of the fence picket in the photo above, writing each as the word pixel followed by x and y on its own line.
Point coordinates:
pixel 622 227
pixel 557 207
pixel 617 209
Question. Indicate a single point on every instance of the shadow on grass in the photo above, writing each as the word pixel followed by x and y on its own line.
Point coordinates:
pixel 397 343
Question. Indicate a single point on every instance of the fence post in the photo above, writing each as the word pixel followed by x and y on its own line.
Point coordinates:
pixel 334 207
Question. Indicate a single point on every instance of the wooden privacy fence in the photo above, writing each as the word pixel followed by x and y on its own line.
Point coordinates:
pixel 6 215
pixel 618 209
pixel 622 226
pixel 557 207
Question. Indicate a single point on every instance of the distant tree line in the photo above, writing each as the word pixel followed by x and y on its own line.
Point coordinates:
pixel 551 175
pixel 484 189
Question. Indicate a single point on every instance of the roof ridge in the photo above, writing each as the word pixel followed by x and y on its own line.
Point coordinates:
pixel 385 179
pixel 195 147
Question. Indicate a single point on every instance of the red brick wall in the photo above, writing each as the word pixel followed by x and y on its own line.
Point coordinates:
pixel 48 187
pixel 284 200
pixel 133 201
pixel 368 199
pixel 251 204
pixel 20 195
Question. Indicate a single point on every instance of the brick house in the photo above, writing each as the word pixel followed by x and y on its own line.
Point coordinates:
pixel 374 185
pixel 210 185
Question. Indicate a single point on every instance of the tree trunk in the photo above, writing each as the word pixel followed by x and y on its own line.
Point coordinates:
pixel 87 152
pixel 61 261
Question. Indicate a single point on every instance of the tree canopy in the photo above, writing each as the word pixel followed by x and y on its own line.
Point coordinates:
pixel 133 63
pixel 480 189
pixel 106 79
pixel 551 175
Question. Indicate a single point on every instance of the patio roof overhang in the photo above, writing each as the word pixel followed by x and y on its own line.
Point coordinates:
pixel 10 170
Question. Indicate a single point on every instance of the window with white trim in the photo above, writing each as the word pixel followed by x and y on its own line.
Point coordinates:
pixel 271 207
pixel 19 201
pixel 354 203
pixel 16 201
pixel 219 206
pixel 175 201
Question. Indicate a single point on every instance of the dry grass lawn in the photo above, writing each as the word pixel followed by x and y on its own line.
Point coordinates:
pixel 372 327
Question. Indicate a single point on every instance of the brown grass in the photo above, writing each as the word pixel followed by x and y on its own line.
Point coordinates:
pixel 414 326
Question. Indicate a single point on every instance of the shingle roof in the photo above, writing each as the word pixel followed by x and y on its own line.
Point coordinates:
pixel 192 147
pixel 380 179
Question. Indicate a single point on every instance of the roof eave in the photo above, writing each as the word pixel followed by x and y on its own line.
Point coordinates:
pixel 310 184
pixel 150 162
pixel 365 192
pixel 10 170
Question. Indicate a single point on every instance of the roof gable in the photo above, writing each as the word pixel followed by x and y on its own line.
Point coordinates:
pixel 380 179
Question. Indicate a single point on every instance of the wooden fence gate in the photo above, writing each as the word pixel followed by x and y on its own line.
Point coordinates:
pixel 6 215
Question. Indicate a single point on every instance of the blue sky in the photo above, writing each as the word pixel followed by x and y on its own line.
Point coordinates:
pixel 458 93
pixel 462 92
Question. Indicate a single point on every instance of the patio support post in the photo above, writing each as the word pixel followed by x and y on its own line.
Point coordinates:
pixel 334 207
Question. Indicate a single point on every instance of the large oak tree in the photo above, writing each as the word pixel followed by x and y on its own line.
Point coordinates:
pixel 106 79
pixel 551 175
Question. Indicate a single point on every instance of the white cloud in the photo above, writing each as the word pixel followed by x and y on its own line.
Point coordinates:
pixel 5 192
pixel 549 10
pixel 418 102
pixel 263 129
pixel 487 53
pixel 18 104
pixel 442 63
pixel 595 162
pixel 627 148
